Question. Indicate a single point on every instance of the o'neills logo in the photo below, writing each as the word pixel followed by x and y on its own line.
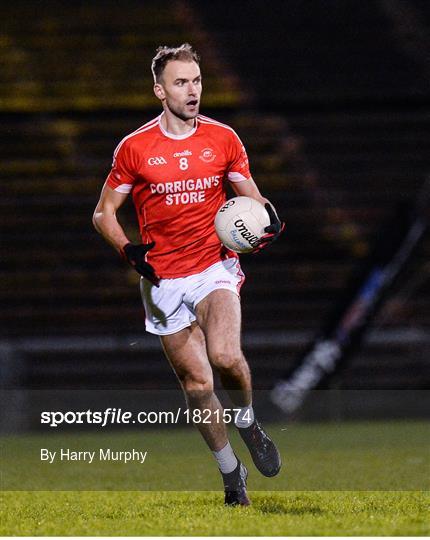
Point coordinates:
pixel 245 233
pixel 183 153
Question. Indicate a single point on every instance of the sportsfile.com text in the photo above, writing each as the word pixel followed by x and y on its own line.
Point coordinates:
pixel 112 416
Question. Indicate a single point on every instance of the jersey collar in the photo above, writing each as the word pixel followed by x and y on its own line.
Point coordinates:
pixel 172 135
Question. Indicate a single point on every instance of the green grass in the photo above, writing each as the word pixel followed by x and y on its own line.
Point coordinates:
pixel 328 485
pixel 182 514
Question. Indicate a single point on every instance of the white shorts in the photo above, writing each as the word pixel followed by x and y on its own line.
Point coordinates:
pixel 171 306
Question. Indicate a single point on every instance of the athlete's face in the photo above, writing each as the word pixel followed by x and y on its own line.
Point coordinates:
pixel 180 88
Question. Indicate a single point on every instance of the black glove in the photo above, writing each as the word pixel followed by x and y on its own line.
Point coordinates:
pixel 273 230
pixel 135 255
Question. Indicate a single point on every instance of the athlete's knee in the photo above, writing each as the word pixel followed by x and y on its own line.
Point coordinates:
pixel 198 388
pixel 225 360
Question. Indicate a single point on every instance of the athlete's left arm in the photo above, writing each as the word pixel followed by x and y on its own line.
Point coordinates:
pixel 248 188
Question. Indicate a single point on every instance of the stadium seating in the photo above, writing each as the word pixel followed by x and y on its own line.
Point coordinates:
pixel 89 56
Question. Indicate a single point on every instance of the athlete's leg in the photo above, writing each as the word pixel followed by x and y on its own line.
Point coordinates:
pixel 219 315
pixel 186 352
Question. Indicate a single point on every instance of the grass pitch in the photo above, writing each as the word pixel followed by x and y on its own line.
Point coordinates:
pixel 201 513
pixel 387 456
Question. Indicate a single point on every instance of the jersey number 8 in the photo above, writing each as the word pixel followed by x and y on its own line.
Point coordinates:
pixel 183 163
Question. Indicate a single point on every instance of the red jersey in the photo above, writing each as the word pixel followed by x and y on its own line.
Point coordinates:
pixel 178 182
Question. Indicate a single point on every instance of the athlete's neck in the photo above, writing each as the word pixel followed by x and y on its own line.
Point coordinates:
pixel 176 126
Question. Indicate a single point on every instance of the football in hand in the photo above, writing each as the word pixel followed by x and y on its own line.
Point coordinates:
pixel 240 223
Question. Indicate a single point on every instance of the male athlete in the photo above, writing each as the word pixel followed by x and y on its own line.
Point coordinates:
pixel 177 167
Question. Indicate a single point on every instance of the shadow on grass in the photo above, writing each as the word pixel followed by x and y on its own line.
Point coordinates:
pixel 274 507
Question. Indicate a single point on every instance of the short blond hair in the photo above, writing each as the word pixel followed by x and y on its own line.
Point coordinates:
pixel 166 54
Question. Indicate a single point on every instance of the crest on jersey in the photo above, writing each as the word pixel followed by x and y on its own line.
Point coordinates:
pixel 207 155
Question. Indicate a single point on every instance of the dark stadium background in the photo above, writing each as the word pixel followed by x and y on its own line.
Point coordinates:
pixel 332 102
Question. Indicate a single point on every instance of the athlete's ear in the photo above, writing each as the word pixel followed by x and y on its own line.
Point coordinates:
pixel 159 91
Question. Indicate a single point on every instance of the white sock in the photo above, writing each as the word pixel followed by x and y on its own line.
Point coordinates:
pixel 226 459
pixel 245 417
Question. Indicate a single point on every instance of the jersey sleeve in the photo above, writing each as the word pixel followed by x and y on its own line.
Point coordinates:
pixel 238 169
pixel 122 176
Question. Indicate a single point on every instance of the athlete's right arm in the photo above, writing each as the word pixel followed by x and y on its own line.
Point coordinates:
pixel 106 223
pixel 105 220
